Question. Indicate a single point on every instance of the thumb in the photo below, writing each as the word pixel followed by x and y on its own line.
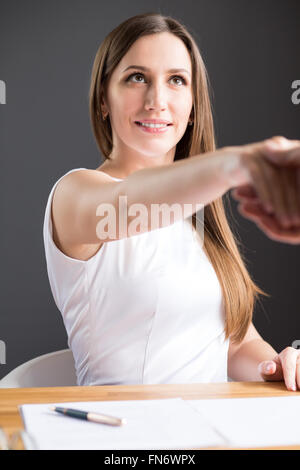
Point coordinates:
pixel 267 370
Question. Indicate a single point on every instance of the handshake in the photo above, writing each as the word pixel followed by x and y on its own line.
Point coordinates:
pixel 267 186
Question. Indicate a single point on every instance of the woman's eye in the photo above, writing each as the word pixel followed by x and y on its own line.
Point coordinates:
pixel 133 75
pixel 180 78
pixel 177 77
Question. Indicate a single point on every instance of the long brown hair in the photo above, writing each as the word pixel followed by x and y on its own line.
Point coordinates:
pixel 220 245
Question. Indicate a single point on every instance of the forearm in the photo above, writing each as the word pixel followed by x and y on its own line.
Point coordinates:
pixel 199 179
pixel 243 365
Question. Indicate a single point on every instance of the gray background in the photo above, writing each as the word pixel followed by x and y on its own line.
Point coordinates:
pixel 251 50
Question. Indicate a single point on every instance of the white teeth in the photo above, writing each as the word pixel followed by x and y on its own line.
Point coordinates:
pixel 153 125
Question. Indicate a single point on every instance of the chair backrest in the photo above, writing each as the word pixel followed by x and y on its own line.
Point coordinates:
pixel 56 369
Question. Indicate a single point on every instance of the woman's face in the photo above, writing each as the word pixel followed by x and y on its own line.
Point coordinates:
pixel 155 92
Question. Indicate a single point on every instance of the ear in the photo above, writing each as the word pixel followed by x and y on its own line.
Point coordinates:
pixel 103 105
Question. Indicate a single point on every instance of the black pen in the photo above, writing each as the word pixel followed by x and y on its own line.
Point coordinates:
pixel 89 416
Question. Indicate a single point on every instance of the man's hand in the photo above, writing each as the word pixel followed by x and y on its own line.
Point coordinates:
pixel 280 221
pixel 251 208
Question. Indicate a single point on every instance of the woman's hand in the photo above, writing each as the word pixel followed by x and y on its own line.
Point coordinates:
pixel 285 366
pixel 283 152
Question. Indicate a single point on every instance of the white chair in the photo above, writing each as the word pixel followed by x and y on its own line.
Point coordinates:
pixel 56 369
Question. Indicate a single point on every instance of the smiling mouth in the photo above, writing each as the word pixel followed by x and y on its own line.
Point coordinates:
pixel 162 125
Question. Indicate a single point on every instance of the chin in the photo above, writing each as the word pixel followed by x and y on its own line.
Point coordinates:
pixel 156 153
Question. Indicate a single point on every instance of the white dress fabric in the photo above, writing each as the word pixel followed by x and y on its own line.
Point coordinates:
pixel 143 310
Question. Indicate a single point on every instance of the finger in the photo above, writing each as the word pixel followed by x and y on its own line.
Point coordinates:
pixel 271 370
pixel 288 359
pixel 279 235
pixel 288 192
pixel 261 183
pixel 253 209
pixel 267 369
pixel 298 371
pixel 278 183
pixel 292 197
pixel 244 192
pixel 298 183
pixel 269 224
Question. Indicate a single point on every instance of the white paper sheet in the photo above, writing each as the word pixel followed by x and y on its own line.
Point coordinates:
pixel 254 422
pixel 151 424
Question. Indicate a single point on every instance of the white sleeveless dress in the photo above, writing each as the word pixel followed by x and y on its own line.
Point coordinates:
pixel 143 310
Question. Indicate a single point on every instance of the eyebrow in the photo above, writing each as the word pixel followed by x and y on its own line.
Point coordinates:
pixel 140 67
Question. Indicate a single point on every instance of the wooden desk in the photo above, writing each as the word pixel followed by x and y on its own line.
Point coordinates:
pixel 10 398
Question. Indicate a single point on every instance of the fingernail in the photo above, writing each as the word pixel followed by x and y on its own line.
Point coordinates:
pixel 294 388
pixel 268 367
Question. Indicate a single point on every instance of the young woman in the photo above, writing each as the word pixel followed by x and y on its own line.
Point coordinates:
pixel 161 305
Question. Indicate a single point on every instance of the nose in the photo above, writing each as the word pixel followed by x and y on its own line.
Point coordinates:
pixel 156 97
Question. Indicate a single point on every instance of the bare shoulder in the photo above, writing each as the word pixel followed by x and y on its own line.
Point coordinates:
pixel 72 186
pixel 82 177
pixel 66 201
